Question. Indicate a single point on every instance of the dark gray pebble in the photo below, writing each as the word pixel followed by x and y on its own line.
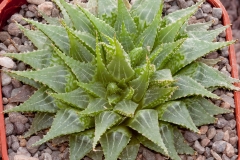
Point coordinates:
pixel 9 129
pixel 197 146
pixel 19 128
pixel 219 146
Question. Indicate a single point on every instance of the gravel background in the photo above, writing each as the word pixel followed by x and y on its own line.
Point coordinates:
pixel 218 141
pixel 233 9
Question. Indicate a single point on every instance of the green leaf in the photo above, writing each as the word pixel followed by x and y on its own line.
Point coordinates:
pixel 37 59
pixel 80 22
pixel 54 77
pixel 189 87
pixel 102 74
pixel 199 115
pixel 71 83
pixel 174 16
pixel 103 122
pixel 77 98
pixel 126 108
pixel 146 11
pixel 39 39
pixel 41 121
pixel 95 89
pixel 120 66
pixel 207 76
pixel 123 17
pixel 166 132
pixel 84 72
pixel 114 141
pixel 66 17
pixel 125 38
pixel 141 83
pixel 78 48
pixel 49 19
pixel 131 150
pixel 169 33
pixel 114 98
pixel 80 144
pixel 151 145
pixel 210 62
pixel 149 35
pixel 95 106
pixel 163 53
pixel 191 50
pixel 87 39
pixel 137 55
pixel 24 79
pixel 40 101
pixel 208 106
pixel 180 143
pixel 206 35
pixel 128 93
pixel 106 7
pixel 161 77
pixel 52 32
pixel 199 26
pixel 155 96
pixel 176 112
pixel 68 121
pixel 146 123
pixel 99 25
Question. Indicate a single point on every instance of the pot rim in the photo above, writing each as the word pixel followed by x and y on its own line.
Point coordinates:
pixel 10 6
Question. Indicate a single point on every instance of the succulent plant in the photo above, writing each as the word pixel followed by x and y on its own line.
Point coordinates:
pixel 112 76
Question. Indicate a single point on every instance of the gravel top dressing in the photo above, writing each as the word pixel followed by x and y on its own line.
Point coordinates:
pixel 218 141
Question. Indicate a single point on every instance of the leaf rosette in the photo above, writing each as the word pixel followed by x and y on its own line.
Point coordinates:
pixel 112 76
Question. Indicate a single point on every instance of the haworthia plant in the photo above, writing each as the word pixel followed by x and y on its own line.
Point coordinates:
pixel 114 76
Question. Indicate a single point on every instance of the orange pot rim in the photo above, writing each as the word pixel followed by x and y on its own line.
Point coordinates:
pixel 10 6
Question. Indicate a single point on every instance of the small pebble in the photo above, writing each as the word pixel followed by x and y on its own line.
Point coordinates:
pixel 197 146
pixel 15 146
pixel 7 90
pixel 219 136
pixel 226 136
pixel 219 146
pixel 46 8
pixel 203 129
pixel 215 155
pixel 4 36
pixel 199 14
pixel 205 142
pixel 23 142
pixel 33 149
pixel 19 127
pixel 207 8
pixel 7 62
pixel 13 29
pixel 6 79
pixel 9 129
pixel 229 151
pixel 221 123
pixel 217 12
pixel 211 133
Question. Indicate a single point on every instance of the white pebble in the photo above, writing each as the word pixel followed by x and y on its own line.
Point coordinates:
pixel 7 62
pixel 6 79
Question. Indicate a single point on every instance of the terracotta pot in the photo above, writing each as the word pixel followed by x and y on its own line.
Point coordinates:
pixel 8 7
